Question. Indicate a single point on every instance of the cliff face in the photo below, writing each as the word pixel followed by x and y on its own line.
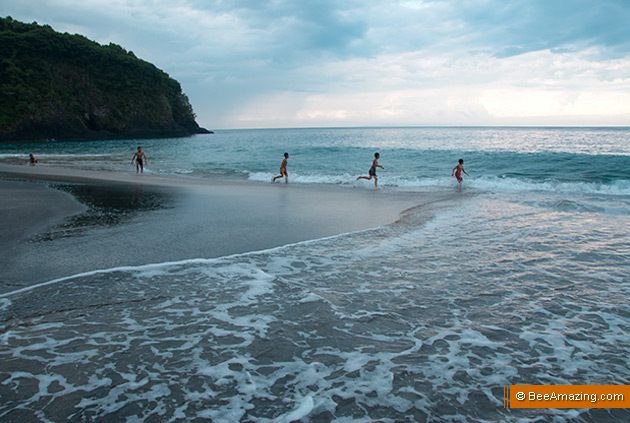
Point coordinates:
pixel 66 87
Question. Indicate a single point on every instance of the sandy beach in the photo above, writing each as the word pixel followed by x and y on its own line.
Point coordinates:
pixel 121 219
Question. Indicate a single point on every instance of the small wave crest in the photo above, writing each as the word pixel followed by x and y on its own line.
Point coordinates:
pixel 484 183
pixel 619 187
pixel 342 179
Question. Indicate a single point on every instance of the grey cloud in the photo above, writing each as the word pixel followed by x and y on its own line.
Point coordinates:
pixel 517 27
pixel 291 29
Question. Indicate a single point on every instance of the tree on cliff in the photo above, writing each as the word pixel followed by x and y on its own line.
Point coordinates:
pixel 62 86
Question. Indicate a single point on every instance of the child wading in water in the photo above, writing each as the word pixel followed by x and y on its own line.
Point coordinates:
pixel 457 170
pixel 372 171
pixel 283 170
pixel 140 159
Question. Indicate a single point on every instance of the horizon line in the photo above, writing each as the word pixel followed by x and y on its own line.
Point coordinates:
pixel 431 126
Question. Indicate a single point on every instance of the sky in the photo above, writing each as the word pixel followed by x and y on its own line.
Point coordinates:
pixel 331 63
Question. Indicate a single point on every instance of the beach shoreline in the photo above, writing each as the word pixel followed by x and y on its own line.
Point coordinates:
pixel 130 220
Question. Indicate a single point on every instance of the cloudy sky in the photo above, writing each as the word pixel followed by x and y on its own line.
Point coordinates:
pixel 301 63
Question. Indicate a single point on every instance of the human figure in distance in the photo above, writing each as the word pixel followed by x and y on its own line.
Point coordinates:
pixel 283 170
pixel 457 171
pixel 32 160
pixel 372 171
pixel 140 159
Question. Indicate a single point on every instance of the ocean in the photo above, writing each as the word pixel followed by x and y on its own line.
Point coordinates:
pixel 521 277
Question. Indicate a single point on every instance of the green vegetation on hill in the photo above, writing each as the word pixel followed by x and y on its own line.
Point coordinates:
pixel 62 86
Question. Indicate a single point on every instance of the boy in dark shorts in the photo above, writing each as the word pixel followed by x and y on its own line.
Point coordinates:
pixel 140 159
pixel 372 171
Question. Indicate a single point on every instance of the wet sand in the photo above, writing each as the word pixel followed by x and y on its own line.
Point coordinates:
pixel 28 208
pixel 129 219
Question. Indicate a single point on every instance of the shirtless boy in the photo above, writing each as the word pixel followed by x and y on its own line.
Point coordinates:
pixel 140 159
pixel 372 171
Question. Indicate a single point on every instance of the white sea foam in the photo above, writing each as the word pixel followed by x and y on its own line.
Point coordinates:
pixel 299 178
pixel 183 171
pixel 302 411
pixel 620 187
pixel 483 183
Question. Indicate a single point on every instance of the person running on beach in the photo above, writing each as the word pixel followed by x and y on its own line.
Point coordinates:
pixel 457 171
pixel 283 170
pixel 372 171
pixel 32 160
pixel 140 159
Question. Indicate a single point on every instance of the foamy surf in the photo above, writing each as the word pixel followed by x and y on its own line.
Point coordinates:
pixel 405 322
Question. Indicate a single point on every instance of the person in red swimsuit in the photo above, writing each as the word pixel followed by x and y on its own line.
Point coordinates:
pixel 283 170
pixel 457 171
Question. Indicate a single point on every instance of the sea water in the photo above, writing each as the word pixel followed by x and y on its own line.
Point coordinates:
pixel 521 277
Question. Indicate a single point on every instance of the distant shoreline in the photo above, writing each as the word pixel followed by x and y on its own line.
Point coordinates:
pixel 104 136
